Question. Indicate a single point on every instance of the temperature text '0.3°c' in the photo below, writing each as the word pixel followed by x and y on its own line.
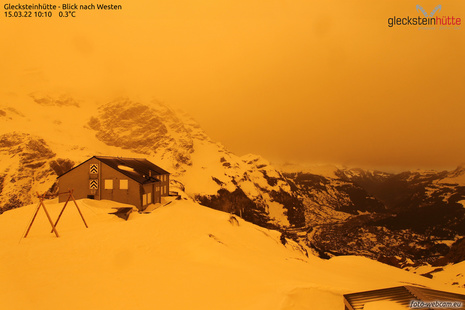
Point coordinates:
pixel 67 13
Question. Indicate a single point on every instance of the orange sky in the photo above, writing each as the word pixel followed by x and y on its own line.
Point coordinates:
pixel 301 81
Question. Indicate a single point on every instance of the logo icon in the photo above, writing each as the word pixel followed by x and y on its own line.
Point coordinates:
pixel 437 8
pixel 430 20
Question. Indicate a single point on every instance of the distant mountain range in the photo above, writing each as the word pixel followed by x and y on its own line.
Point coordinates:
pixel 402 219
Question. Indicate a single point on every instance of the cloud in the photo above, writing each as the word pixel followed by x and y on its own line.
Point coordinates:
pixel 303 81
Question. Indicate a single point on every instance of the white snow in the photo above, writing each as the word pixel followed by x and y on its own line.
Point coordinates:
pixel 459 180
pixel 249 188
pixel 206 163
pixel 326 170
pixel 277 212
pixel 126 168
pixel 455 177
pixel 180 256
pixel 452 274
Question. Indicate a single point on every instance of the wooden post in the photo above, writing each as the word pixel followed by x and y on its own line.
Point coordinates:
pixel 33 219
pixel 59 216
pixel 50 220
pixel 41 204
pixel 79 210
pixel 71 196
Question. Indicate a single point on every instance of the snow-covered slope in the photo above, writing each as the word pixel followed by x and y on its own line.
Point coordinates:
pixel 456 177
pixel 452 274
pixel 335 209
pixel 55 131
pixel 180 256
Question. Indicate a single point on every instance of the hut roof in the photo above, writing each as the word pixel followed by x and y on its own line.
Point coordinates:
pixel 139 169
pixel 403 295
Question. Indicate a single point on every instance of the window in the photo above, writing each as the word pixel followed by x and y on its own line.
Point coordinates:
pixel 123 184
pixel 149 198
pixel 109 184
pixel 144 199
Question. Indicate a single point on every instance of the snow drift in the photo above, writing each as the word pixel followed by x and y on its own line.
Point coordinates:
pixel 180 256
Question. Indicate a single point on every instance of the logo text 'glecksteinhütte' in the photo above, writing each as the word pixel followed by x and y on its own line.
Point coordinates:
pixel 427 20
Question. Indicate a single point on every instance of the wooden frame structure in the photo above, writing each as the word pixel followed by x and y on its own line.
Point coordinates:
pixel 41 204
pixel 402 295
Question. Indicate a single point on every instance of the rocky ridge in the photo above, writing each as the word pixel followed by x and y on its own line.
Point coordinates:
pixel 403 219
